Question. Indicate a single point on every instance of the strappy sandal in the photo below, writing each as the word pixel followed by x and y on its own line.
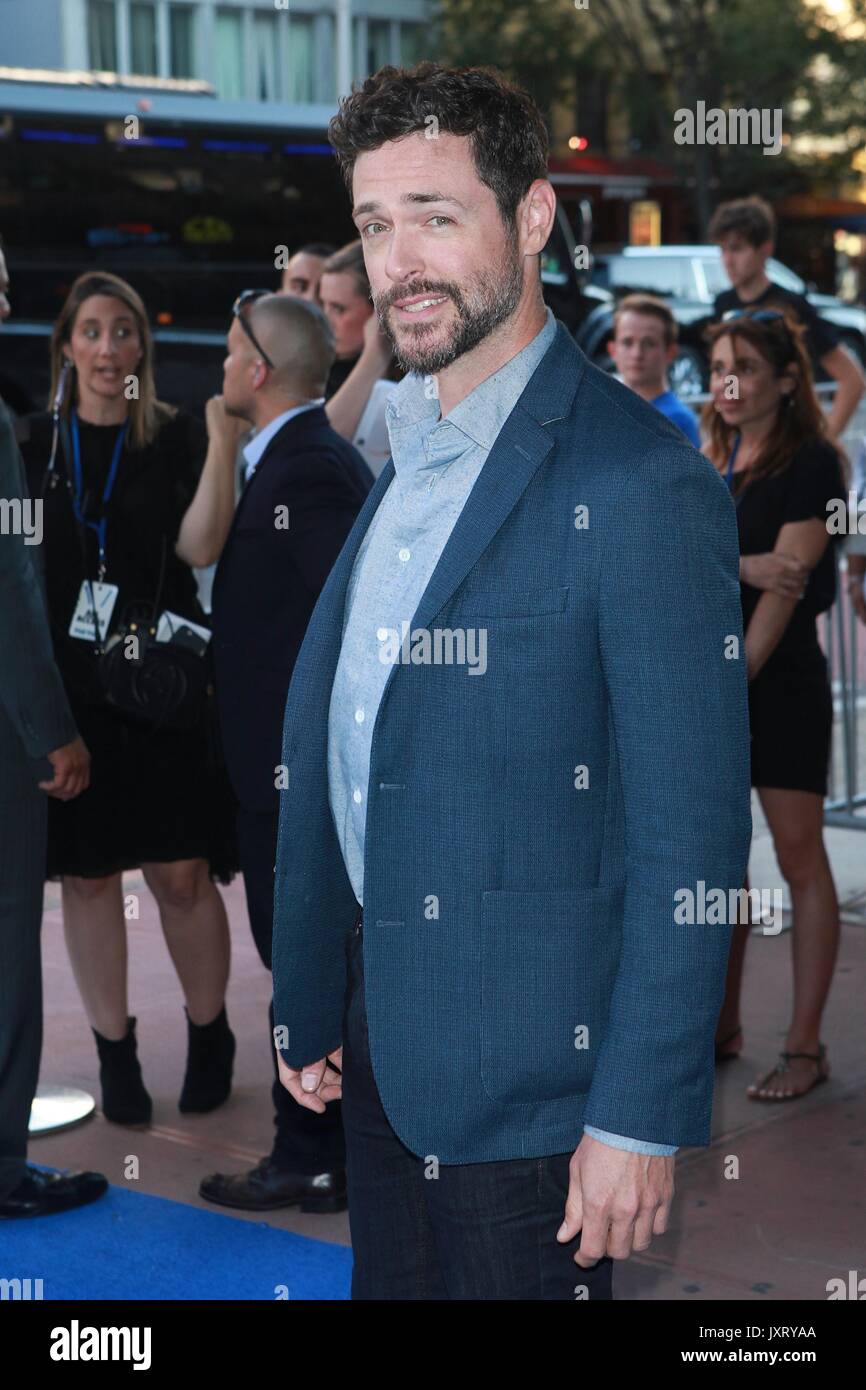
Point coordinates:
pixel 786 1057
pixel 723 1042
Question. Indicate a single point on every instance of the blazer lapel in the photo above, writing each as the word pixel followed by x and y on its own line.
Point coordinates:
pixel 520 448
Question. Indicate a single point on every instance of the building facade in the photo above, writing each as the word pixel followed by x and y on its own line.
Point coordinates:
pixel 294 52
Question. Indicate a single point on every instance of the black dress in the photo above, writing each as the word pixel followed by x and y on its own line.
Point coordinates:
pixel 790 700
pixel 155 795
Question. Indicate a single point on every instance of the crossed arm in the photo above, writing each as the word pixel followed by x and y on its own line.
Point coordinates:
pixel 805 542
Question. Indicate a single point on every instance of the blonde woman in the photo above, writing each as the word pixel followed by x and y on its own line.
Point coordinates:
pixel 131 501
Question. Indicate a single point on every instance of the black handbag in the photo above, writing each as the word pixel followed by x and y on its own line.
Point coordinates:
pixel 163 684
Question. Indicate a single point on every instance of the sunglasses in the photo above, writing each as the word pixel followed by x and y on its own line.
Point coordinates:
pixel 249 297
pixel 760 316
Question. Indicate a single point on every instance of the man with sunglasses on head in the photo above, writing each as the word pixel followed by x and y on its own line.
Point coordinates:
pixel 745 230
pixel 304 487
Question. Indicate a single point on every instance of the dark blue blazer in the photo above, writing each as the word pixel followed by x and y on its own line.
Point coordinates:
pixel 512 901
pixel 35 718
pixel 267 583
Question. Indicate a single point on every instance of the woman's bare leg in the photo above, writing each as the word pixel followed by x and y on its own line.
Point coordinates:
pixel 95 931
pixel 196 931
pixel 795 819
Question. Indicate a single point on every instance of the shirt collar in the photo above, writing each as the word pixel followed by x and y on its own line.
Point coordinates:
pixel 478 418
pixel 260 441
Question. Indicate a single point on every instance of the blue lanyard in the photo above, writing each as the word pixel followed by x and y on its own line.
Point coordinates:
pixel 98 526
pixel 729 477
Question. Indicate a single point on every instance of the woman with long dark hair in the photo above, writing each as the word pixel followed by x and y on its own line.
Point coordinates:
pixel 131 496
pixel 766 435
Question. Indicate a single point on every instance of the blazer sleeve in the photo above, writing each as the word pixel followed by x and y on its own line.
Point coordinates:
pixel 31 689
pixel 672 653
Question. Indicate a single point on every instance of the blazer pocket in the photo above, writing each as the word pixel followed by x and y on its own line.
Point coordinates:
pixel 534 603
pixel 548 964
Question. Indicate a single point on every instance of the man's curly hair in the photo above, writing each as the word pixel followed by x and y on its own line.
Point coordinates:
pixel 508 137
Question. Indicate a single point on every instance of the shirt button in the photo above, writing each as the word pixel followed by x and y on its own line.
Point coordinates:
pixel 356 794
pixel 403 554
pixel 359 716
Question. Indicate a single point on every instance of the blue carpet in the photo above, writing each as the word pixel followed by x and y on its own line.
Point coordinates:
pixel 132 1246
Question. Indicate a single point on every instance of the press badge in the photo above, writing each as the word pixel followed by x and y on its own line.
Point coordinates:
pixel 82 625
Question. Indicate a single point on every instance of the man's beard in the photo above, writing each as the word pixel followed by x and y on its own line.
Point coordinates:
pixel 481 306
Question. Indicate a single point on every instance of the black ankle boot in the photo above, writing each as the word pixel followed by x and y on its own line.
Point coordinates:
pixel 210 1054
pixel 124 1098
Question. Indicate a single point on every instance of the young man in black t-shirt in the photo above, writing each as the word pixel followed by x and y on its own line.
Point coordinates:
pixel 745 229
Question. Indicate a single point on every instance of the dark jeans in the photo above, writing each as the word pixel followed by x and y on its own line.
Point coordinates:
pixel 475 1231
pixel 304 1141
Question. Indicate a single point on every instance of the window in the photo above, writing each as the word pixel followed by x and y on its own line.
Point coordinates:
pixel 714 274
pixel 413 44
pixel 326 58
pixel 592 107
pixel 181 26
pixel 142 39
pixel 102 35
pixel 265 56
pixel 371 45
pixel 378 44
pixel 658 274
pixel 301 65
pixel 229 55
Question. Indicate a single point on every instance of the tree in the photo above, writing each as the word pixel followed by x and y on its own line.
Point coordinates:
pixel 667 55
pixel 537 45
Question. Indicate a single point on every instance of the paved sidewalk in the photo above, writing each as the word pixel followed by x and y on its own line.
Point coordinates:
pixel 793 1218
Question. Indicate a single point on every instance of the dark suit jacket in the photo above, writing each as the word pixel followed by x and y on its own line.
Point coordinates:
pixel 34 713
pixel 553 984
pixel 266 585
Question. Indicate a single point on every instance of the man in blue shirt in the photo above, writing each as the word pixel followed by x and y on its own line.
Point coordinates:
pixel 512 736
pixel 643 346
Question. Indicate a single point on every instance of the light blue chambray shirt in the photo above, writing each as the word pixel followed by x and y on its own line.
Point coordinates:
pixel 436 463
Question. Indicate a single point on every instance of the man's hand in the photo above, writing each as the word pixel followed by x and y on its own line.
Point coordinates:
pixel 71 765
pixel 618 1200
pixel 314 1084
pixel 780 574
pixel 221 426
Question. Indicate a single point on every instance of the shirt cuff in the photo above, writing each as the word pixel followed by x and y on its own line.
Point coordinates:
pixel 619 1141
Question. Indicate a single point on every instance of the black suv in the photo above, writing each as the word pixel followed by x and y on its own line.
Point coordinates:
pixel 690 277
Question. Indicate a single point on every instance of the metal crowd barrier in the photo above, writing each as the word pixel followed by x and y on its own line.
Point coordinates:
pixel 841 630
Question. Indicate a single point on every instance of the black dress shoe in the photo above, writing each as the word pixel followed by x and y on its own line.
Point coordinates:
pixel 267 1187
pixel 40 1194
